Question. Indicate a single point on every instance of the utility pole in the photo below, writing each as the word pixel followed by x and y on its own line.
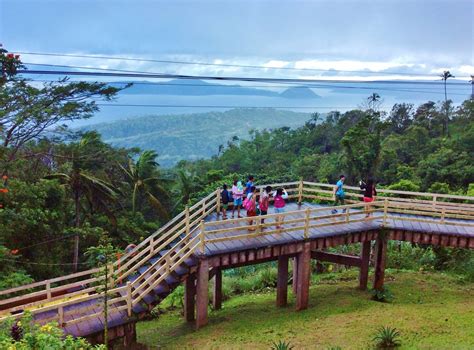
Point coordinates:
pixel 472 85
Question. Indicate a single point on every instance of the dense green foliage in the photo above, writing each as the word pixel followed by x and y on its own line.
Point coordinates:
pixel 26 335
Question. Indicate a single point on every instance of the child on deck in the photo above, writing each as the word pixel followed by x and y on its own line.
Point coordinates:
pixel 225 199
pixel 264 201
pixel 279 203
pixel 237 194
pixel 251 205
pixel 249 184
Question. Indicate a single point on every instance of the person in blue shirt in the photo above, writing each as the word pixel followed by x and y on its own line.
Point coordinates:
pixel 339 194
pixel 248 186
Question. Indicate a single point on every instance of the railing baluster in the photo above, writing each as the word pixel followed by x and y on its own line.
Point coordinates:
pixel 306 223
pixel 443 214
pixel 300 192
pixel 203 237
pixel 218 201
pixel 61 316
pixel 48 291
pixel 129 299
pixel 385 210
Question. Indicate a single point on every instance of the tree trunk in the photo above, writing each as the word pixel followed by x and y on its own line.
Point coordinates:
pixel 77 223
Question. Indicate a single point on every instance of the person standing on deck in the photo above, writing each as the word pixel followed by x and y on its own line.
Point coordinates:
pixel 369 193
pixel 339 194
pixel 251 205
pixel 225 199
pixel 249 184
pixel 264 202
pixel 279 203
pixel 237 194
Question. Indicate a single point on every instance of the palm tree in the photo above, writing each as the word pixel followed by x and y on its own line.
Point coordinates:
pixel 445 76
pixel 187 184
pixel 84 185
pixel 143 175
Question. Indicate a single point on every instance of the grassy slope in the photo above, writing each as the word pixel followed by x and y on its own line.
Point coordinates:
pixel 430 310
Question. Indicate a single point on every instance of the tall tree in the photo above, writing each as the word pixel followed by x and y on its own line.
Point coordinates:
pixel 445 76
pixel 84 186
pixel 144 177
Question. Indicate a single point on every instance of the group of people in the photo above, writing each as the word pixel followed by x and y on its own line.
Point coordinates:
pixel 369 188
pixel 246 197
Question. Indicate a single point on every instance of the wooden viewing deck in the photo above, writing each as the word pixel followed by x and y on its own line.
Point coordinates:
pixel 197 245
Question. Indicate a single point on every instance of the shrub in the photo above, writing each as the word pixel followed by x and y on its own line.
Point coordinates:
pixel 382 295
pixel 282 345
pixel 25 335
pixel 386 338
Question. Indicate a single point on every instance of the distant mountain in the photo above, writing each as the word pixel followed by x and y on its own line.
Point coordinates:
pixel 201 88
pixel 193 136
pixel 299 92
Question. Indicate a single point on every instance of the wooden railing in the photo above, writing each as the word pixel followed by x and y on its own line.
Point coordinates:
pixel 191 234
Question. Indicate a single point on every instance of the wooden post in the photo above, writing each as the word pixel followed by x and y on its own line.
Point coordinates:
pixel 48 291
pixel 111 275
pixel 217 286
pixel 364 267
pixel 129 298
pixel 380 257
pixel 203 238
pixel 218 201
pixel 282 281
pixel 443 214
pixel 347 214
pixel 61 315
pixel 304 273
pixel 189 297
pixel 306 223
pixel 152 248
pixel 385 212
pixel 202 293
pixel 434 201
pixel 203 209
pixel 295 274
pixel 186 211
pixel 300 192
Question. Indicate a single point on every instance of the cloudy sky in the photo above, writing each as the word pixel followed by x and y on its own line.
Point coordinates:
pixel 410 36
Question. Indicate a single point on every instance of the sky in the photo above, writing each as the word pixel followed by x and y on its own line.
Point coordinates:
pixel 380 36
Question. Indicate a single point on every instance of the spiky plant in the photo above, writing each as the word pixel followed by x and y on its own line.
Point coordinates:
pixel 281 345
pixel 387 338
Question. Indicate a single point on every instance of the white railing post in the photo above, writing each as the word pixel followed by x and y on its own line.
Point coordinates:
pixel 385 211
pixel 186 210
pixel 443 214
pixel 203 237
pixel 129 299
pixel 300 192
pixel 434 201
pixel 306 223
pixel 48 291
pixel 347 214
pixel 203 208
pixel 218 202
pixel 152 248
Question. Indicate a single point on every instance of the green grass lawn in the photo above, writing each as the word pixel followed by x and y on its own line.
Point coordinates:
pixel 431 311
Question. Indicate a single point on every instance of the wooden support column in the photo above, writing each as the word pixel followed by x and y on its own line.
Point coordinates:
pixel 380 257
pixel 217 295
pixel 364 266
pixel 294 264
pixel 202 292
pixel 189 297
pixel 282 281
pixel 304 274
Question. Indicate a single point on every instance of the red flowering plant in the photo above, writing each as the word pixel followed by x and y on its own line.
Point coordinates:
pixel 10 63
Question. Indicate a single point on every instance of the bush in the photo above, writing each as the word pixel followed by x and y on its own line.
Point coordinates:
pixel 382 295
pixel 25 335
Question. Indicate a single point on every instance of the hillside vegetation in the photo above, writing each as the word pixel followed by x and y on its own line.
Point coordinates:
pixel 194 136
pixel 431 311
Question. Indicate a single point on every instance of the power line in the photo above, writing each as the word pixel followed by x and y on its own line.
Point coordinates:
pixel 218 106
pixel 413 89
pixel 228 78
pixel 218 64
